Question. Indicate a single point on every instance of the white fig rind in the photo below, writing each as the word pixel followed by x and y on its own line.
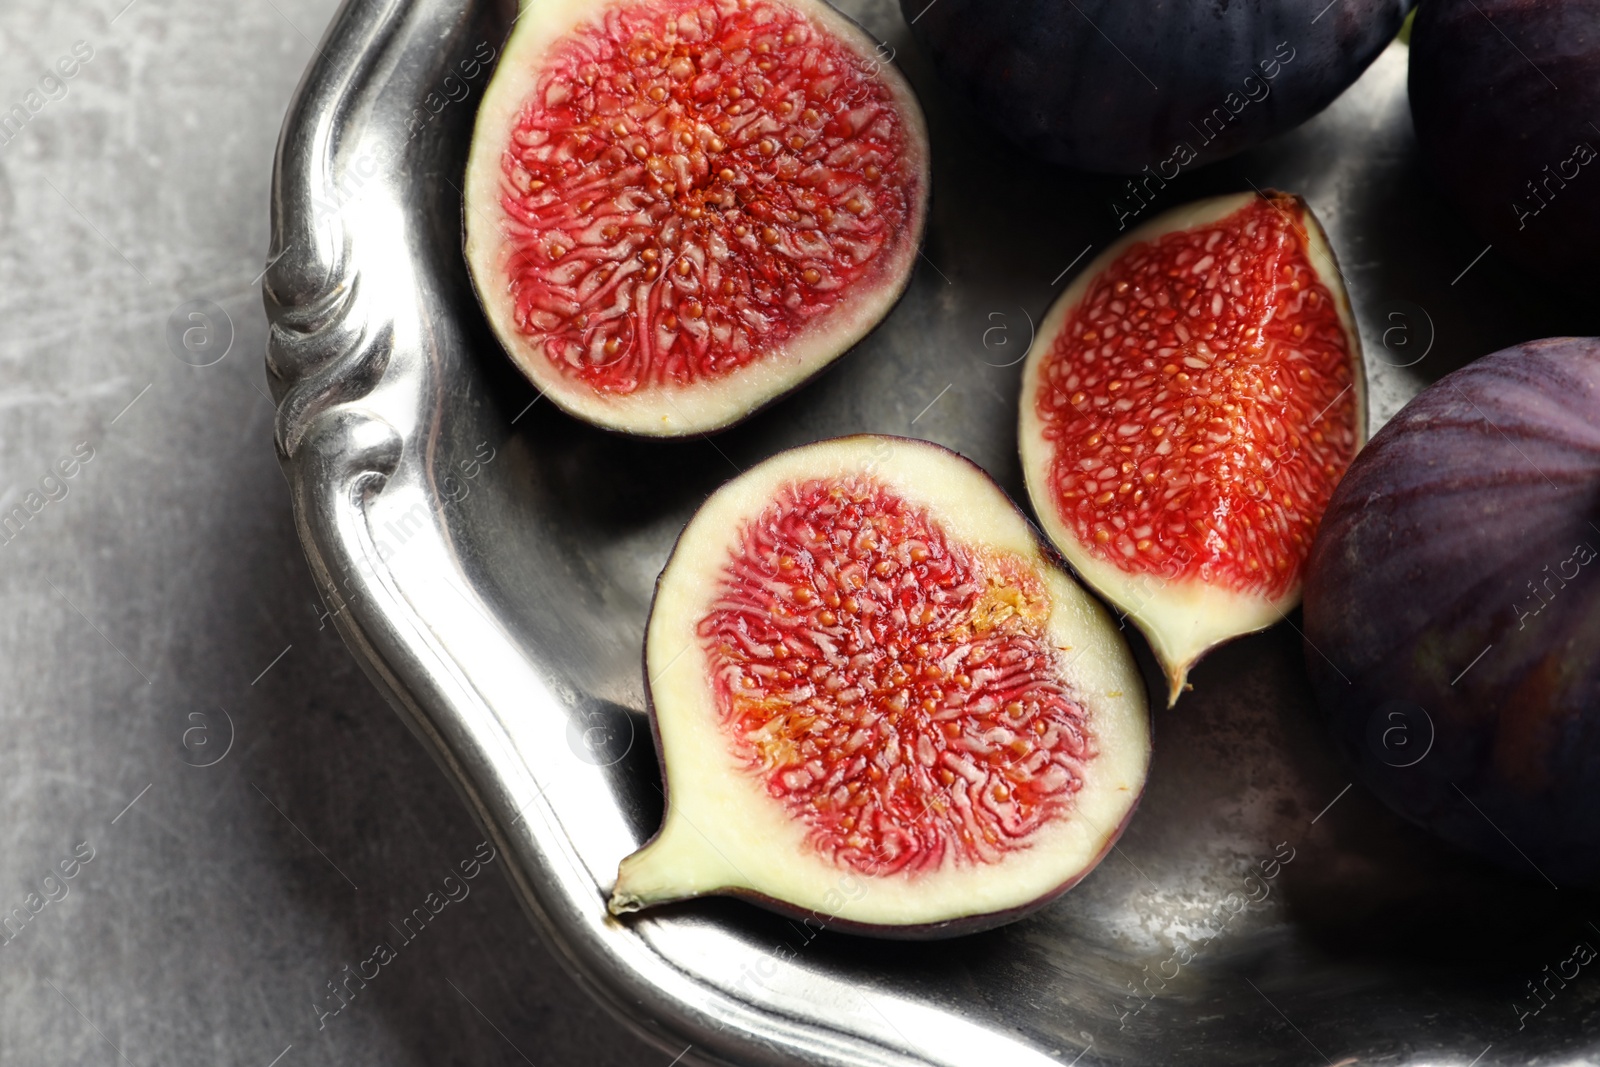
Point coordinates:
pixel 724 834
pixel 704 406
pixel 1183 618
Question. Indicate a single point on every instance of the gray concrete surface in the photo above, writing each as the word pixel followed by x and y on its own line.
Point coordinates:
pixel 174 709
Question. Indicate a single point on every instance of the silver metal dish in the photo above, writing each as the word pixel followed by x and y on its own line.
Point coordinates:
pixel 490 563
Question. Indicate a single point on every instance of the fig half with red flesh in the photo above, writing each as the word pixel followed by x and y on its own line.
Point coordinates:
pixel 1188 406
pixel 881 701
pixel 678 210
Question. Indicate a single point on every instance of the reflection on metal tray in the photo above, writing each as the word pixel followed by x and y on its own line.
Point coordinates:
pixel 491 562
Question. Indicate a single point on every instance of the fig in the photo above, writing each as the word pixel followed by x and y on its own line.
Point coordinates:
pixel 1504 96
pixel 1187 407
pixel 880 701
pixel 678 210
pixel 1452 609
pixel 1152 86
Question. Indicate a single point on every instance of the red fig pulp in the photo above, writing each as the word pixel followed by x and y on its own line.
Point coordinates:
pixel 1188 406
pixel 865 670
pixel 678 210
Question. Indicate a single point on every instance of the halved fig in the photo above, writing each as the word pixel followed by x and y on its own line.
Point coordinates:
pixel 678 210
pixel 880 700
pixel 1188 406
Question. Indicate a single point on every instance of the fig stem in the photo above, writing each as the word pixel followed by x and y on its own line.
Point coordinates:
pixel 680 863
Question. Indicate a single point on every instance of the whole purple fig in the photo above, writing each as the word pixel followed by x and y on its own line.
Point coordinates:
pixel 1452 609
pixel 1505 95
pixel 1149 87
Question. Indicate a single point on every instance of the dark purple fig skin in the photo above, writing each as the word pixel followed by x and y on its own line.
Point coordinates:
pixel 1491 115
pixel 1452 610
pixel 1116 85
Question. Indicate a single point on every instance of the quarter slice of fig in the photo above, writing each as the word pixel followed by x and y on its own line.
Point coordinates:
pixel 880 701
pixel 1188 406
pixel 678 210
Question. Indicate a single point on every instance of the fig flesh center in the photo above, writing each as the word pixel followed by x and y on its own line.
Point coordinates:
pixel 1200 406
pixel 692 185
pixel 894 690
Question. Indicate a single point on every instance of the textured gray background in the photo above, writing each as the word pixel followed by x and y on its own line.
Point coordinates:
pixel 161 586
